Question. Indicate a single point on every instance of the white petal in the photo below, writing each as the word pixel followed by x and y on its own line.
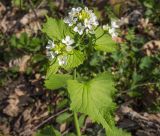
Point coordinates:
pixel 63 41
pixel 70 24
pixel 50 45
pixel 56 52
pixel 79 9
pixel 114 34
pixel 80 32
pixel 86 9
pixel 62 60
pixel 106 27
pixel 75 29
pixel 72 41
pixel 96 23
pixel 67 38
pixel 112 30
pixel 87 31
pixel 50 55
pixel 114 24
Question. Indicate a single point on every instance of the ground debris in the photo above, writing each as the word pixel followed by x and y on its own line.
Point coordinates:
pixel 142 124
pixel 14 23
pixel 23 107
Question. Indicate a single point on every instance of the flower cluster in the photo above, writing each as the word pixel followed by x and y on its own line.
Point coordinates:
pixel 112 30
pixel 82 20
pixel 60 49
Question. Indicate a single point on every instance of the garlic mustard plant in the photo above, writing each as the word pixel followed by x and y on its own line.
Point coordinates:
pixel 72 40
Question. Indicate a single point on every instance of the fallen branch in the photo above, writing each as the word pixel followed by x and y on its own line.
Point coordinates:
pixel 48 119
pixel 143 124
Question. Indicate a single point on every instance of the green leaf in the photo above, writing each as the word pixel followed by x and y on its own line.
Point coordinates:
pixel 117 132
pixel 99 32
pixel 62 103
pixel 56 81
pixel 63 117
pixel 56 29
pixel 71 134
pixel 145 62
pixel 117 8
pixel 48 131
pixel 53 68
pixel 18 3
pixel 81 120
pixel 104 41
pixel 74 59
pixel 93 98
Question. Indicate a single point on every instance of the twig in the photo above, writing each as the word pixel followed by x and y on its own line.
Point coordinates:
pixel 32 6
pixel 36 16
pixel 51 117
pixel 65 132
pixel 40 5
pixel 62 5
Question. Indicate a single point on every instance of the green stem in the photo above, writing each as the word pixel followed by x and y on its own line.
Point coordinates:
pixel 75 114
pixel 76 124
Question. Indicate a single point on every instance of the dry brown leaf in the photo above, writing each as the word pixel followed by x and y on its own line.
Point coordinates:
pixel 147 27
pixel 20 62
pixel 63 127
pixel 30 23
pixel 23 64
pixel 151 47
pixel 12 108
pixel 5 130
pixel 31 16
pixel 2 8
pixel 31 28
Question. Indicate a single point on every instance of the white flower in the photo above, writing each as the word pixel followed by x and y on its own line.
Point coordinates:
pixel 95 23
pixel 79 28
pixel 112 32
pixel 87 24
pixel 68 41
pixel 79 9
pixel 105 27
pixel 50 45
pixel 73 12
pixel 93 19
pixel 51 55
pixel 115 34
pixel 70 21
pixel 87 10
pixel 62 60
pixel 114 24
pixel 82 19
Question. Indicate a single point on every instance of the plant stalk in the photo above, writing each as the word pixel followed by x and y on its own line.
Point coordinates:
pixel 75 114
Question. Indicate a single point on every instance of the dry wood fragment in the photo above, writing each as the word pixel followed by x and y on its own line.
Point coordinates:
pixel 143 124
